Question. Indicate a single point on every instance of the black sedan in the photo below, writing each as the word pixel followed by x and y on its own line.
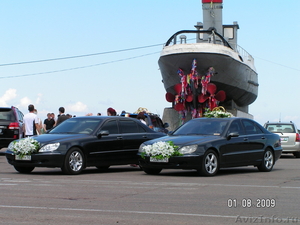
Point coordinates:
pixel 208 144
pixel 82 142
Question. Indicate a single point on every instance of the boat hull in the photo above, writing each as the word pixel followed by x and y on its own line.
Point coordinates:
pixel 234 75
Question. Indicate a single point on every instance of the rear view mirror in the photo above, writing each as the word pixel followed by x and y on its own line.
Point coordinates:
pixel 233 134
pixel 102 133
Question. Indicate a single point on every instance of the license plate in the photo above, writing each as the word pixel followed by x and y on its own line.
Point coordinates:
pixel 25 157
pixel 285 139
pixel 164 160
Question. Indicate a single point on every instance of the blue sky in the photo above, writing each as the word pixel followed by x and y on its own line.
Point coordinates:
pixel 126 80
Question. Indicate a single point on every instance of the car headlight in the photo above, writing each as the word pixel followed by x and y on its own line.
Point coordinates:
pixel 10 146
pixel 141 148
pixel 188 149
pixel 49 147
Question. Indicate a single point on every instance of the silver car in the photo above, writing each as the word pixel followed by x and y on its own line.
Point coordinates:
pixel 289 134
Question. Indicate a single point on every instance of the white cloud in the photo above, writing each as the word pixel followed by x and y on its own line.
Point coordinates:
pixel 38 98
pixel 8 95
pixel 77 107
pixel 25 102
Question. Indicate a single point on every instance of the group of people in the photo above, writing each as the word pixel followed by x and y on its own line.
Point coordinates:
pixel 34 126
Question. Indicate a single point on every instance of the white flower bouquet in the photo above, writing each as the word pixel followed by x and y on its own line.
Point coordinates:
pixel 25 146
pixel 161 150
pixel 218 112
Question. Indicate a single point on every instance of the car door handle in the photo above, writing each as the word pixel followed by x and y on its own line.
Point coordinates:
pixel 245 139
pixel 263 137
pixel 145 136
pixel 119 138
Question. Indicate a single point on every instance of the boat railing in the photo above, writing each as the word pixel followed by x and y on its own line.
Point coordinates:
pixel 214 38
pixel 243 53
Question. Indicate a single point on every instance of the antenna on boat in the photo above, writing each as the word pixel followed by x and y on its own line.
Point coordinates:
pixel 279 117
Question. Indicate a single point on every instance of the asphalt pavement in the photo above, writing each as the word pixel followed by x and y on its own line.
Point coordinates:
pixel 126 195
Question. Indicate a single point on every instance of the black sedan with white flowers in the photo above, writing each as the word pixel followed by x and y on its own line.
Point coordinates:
pixel 208 144
pixel 82 142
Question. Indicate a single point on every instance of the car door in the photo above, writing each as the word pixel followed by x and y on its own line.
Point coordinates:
pixel 133 134
pixel 107 146
pixel 256 141
pixel 233 149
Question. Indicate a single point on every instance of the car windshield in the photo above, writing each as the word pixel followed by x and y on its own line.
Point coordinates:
pixel 202 127
pixel 84 125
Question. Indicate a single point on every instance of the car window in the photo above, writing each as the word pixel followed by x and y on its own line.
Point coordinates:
pixel 235 126
pixel 278 128
pixel 7 115
pixel 201 127
pixel 251 128
pixel 20 115
pixel 128 126
pixel 111 126
pixel 77 126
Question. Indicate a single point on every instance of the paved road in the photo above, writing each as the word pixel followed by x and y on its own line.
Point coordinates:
pixel 125 195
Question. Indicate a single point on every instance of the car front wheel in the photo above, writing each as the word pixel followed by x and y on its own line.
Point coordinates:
pixel 210 164
pixel 267 161
pixel 74 162
pixel 22 169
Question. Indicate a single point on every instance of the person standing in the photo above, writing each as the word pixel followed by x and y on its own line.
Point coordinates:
pixel 31 123
pixel 49 122
pixel 40 127
pixel 111 112
pixel 61 116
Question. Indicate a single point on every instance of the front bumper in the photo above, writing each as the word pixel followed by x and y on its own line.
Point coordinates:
pixel 37 160
pixel 176 162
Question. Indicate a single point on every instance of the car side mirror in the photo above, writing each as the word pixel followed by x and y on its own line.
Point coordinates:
pixel 166 125
pixel 102 133
pixel 232 134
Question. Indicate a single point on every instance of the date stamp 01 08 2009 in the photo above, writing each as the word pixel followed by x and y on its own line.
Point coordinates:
pixel 249 203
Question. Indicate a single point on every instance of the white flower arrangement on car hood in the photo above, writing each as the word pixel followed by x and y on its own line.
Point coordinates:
pixel 25 146
pixel 160 150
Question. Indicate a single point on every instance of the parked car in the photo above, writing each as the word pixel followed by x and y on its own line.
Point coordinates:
pixel 152 120
pixel 11 125
pixel 290 137
pixel 208 144
pixel 82 142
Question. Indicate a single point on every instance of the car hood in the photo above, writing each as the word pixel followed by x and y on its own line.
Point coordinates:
pixel 185 139
pixel 52 138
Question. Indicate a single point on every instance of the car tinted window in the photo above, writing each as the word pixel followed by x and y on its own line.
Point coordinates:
pixel 202 127
pixel 128 126
pixel 251 128
pixel 7 115
pixel 77 126
pixel 111 126
pixel 236 126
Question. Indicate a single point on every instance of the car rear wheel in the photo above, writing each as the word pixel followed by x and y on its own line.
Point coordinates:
pixel 297 154
pixel 210 164
pixel 267 161
pixel 152 171
pixel 22 169
pixel 74 162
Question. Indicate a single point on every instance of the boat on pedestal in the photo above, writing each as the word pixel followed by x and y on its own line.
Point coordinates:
pixel 211 46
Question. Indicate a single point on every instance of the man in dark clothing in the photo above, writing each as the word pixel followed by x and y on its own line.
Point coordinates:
pixel 49 122
pixel 61 117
